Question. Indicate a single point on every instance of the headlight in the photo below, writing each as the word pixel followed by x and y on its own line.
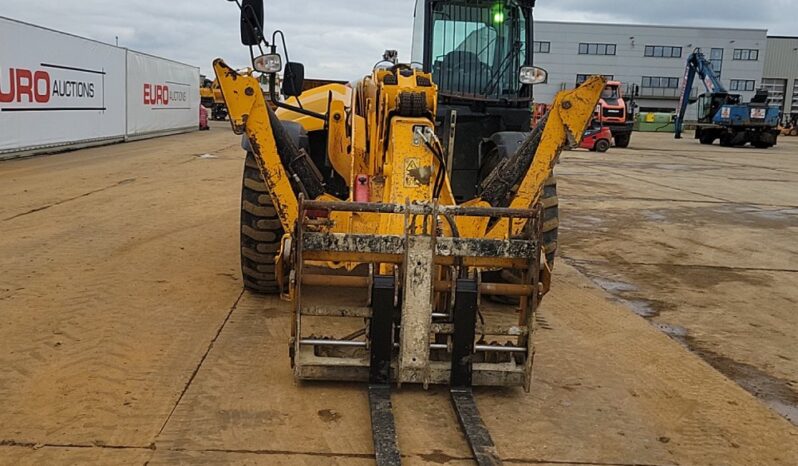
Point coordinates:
pixel 269 63
pixel 533 75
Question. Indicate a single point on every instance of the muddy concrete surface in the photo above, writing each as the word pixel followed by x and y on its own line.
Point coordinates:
pixel 125 337
pixel 701 241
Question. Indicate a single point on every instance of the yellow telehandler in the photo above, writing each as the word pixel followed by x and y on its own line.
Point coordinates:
pixel 211 98
pixel 411 253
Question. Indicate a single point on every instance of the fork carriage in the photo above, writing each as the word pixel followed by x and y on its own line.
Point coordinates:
pixel 415 307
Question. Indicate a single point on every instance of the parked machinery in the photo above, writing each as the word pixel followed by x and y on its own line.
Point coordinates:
pixel 349 210
pixel 617 113
pixel 211 97
pixel 614 112
pixel 597 138
pixel 722 115
pixel 790 128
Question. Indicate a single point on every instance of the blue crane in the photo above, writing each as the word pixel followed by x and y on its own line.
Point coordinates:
pixel 721 115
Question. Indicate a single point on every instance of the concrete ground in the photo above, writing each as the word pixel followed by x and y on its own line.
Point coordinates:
pixel 125 336
pixel 700 240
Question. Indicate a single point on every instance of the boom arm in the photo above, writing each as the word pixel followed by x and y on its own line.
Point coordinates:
pixel 697 63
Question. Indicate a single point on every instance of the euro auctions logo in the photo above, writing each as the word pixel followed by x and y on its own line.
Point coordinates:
pixel 26 85
pixel 156 94
pixel 51 87
pixel 163 97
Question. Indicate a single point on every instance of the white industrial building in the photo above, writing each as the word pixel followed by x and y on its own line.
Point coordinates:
pixel 781 73
pixel 652 57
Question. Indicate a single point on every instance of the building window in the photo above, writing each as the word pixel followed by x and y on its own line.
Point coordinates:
pixel 746 54
pixel 596 49
pixel 742 84
pixel 716 58
pixel 542 47
pixel 663 51
pixel 660 82
pixel 580 78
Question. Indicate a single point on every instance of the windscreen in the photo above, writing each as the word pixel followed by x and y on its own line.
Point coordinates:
pixel 478 50
pixel 610 93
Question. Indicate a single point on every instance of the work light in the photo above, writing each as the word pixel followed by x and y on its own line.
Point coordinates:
pixel 533 75
pixel 269 63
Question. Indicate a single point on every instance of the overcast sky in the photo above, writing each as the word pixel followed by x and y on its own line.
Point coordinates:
pixel 343 39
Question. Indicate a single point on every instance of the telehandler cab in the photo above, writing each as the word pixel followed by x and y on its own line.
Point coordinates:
pixel 355 209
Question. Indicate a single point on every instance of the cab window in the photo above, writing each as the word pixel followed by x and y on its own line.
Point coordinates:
pixel 478 50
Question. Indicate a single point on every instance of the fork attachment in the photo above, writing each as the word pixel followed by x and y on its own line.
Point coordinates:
pixel 414 308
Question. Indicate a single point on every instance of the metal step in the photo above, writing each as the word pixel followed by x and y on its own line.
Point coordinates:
pixel 336 311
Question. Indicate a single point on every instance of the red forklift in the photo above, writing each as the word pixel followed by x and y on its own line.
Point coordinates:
pixel 614 112
pixel 597 137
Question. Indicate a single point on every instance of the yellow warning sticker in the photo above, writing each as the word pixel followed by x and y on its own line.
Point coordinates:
pixel 412 179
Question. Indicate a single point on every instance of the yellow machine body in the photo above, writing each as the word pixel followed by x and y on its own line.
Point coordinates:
pixel 367 137
pixel 401 223
pixel 212 94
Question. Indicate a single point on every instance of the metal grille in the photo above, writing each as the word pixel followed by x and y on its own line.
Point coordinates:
pixel 612 112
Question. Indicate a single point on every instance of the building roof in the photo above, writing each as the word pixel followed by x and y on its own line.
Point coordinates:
pixel 664 26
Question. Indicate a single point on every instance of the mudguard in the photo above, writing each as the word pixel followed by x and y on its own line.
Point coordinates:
pixel 506 142
pixel 294 130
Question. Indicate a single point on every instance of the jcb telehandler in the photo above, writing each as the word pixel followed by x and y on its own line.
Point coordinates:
pixel 211 97
pixel 389 210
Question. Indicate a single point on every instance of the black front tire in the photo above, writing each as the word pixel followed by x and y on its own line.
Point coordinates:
pixel 261 232
pixel 219 112
pixel 707 140
pixel 622 140
pixel 602 145
pixel 549 199
pixel 726 141
pixel 551 219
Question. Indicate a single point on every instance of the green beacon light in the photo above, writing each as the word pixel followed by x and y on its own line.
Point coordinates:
pixel 498 13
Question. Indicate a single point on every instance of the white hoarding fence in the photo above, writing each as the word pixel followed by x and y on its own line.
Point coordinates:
pixel 59 90
pixel 56 88
pixel 162 95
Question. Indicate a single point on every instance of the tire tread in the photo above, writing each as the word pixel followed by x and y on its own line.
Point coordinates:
pixel 261 232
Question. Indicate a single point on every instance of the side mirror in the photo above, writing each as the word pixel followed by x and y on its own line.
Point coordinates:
pixel 533 75
pixel 293 79
pixel 251 22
